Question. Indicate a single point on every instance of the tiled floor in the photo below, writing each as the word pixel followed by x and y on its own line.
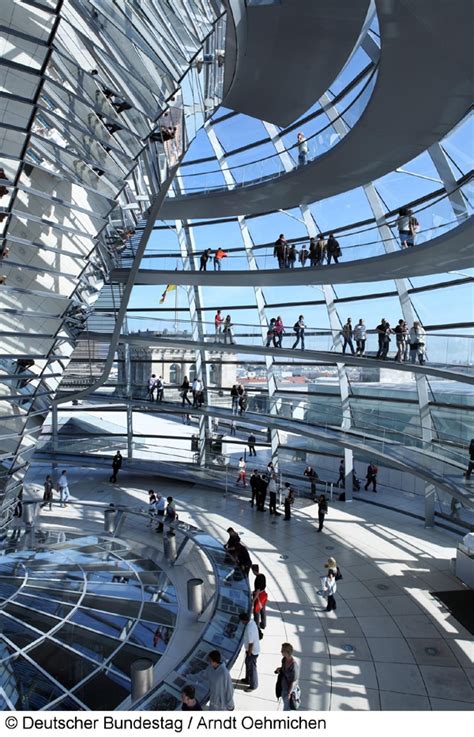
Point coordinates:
pixel 389 645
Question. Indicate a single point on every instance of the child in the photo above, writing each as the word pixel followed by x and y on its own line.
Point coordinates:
pixel 329 589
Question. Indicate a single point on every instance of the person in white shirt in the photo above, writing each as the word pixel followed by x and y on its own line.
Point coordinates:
pixel 329 589
pixel 151 506
pixel 252 651
pixel 63 489
pixel 360 336
pixel 417 343
pixel 160 511
pixel 196 388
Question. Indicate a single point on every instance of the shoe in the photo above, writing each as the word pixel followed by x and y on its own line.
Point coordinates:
pixel 243 680
pixel 247 690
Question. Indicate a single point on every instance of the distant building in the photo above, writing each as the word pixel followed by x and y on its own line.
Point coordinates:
pixel 173 364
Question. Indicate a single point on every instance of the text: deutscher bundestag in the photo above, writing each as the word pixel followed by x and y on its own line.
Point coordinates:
pixel 192 722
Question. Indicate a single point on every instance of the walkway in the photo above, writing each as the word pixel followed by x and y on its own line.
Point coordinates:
pixel 385 136
pixel 287 54
pixel 390 645
pixel 426 462
pixel 464 375
pixel 451 251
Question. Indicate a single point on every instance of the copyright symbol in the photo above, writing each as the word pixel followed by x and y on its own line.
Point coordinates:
pixel 11 722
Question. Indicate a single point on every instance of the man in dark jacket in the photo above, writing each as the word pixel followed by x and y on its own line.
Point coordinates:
pixel 116 466
pixel 322 511
pixel 261 493
pixel 242 556
pixel 333 249
pixel 280 250
pixel 371 477
pixel 205 256
pixel 254 484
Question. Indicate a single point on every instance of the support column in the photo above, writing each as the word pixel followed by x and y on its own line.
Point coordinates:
pixel 141 674
pixel 129 431
pixel 188 250
pixel 430 499
pixel 447 176
pixel 273 404
pixel 195 595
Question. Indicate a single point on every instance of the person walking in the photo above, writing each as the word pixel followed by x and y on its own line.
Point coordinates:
pixel 299 328
pixel 218 322
pixel 279 329
pixel 470 466
pixel 185 389
pixel 333 249
pixel 302 144
pixel 321 245
pixel 48 493
pixel 347 334
pixel 228 330
pixel 205 256
pixel 116 466
pixel 303 256
pixel 313 252
pixel 279 250
pixel 271 333
pixel 341 481
pixel 259 597
pixel 329 590
pixel 251 440
pixel 63 488
pixel 291 257
pixel 234 395
pixel 151 388
pixel 322 511
pixel 360 336
pixel 151 507
pixel 288 674
pixel 371 477
pixel 417 343
pixel 242 477
pixel 218 256
pixel 401 337
pixel 196 389
pixel 233 428
pixel 221 690
pixel 252 651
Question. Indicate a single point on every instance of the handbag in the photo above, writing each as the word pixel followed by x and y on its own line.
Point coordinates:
pixel 278 685
pixel 338 574
pixel 260 601
pixel 295 698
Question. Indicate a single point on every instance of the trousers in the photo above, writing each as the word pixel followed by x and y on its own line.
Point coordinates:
pixel 251 675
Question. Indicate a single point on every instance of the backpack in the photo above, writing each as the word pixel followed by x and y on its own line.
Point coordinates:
pixel 296 326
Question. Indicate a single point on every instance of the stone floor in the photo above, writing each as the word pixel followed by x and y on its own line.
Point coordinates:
pixel 388 646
